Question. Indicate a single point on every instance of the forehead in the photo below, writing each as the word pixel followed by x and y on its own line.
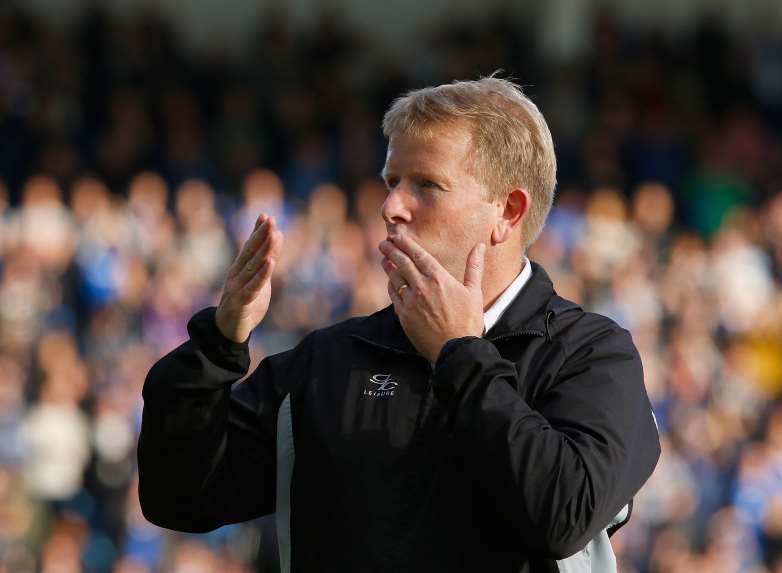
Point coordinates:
pixel 446 146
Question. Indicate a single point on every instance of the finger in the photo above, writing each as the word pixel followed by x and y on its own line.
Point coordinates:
pixel 254 286
pixel 270 249
pixel 394 277
pixel 473 273
pixel 264 226
pixel 250 246
pixel 271 241
pixel 259 221
pixel 251 266
pixel 395 298
pixel 423 260
pixel 275 248
pixel 387 265
pixel 258 280
pixel 266 271
pixel 404 264
pixel 385 261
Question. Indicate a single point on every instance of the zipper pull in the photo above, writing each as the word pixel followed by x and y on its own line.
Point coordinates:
pixel 549 314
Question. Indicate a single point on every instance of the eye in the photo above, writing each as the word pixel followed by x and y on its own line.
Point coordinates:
pixel 392 182
pixel 428 184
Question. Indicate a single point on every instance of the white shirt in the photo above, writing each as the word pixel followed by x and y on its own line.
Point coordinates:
pixel 491 316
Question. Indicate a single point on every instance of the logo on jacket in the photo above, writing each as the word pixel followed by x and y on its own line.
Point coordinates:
pixel 384 386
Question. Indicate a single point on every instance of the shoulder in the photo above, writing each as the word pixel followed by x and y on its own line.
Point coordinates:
pixel 575 329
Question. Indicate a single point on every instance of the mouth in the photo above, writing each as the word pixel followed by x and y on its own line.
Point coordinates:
pixel 394 232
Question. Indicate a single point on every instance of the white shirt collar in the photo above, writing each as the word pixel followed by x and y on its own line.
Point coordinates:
pixel 491 316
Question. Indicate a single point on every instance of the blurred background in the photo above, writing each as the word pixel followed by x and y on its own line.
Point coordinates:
pixel 140 139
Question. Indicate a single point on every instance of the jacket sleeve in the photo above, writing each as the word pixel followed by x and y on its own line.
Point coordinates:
pixel 557 474
pixel 206 451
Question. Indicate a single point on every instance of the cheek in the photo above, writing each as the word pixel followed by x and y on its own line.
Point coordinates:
pixel 458 232
pixel 451 227
pixel 477 224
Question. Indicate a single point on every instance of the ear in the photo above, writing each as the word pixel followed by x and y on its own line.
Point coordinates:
pixel 513 213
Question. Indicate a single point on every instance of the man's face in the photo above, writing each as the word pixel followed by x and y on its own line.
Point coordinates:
pixel 433 197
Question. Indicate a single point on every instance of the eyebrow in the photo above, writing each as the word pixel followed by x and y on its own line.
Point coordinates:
pixel 437 178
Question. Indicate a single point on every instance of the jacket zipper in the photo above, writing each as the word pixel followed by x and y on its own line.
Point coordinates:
pixel 530 332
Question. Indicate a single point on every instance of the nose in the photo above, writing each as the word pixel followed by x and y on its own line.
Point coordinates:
pixel 397 208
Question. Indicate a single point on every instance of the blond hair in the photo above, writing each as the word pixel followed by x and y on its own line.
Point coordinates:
pixel 511 143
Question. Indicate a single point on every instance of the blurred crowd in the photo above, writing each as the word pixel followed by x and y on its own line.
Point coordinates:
pixel 132 173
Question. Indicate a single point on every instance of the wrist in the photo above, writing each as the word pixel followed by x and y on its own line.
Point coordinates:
pixel 218 349
pixel 228 333
pixel 435 356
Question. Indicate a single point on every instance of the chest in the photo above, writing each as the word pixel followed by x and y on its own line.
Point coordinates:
pixel 363 405
pixel 366 405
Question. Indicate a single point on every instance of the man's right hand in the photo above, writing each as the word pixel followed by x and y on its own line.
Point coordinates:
pixel 247 289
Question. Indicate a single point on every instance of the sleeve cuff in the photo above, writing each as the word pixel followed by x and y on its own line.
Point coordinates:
pixel 455 365
pixel 218 349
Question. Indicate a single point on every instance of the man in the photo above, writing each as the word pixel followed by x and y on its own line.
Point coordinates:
pixel 479 423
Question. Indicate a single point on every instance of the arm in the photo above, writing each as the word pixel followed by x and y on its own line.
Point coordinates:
pixel 560 473
pixel 206 452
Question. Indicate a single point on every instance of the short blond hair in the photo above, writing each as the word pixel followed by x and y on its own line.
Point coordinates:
pixel 512 145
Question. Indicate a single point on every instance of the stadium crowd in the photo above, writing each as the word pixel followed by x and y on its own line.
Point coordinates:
pixel 132 173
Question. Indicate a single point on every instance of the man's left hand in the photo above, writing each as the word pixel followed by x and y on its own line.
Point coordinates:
pixel 432 305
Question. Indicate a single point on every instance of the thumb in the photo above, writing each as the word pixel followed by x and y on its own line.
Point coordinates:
pixel 473 274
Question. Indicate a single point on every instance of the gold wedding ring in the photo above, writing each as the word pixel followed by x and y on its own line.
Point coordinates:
pixel 400 289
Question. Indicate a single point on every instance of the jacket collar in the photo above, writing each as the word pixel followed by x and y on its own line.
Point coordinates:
pixel 526 313
pixel 529 309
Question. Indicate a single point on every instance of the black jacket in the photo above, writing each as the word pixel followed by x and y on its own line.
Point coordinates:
pixel 512 451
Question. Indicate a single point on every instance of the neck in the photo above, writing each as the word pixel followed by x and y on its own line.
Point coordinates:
pixel 499 278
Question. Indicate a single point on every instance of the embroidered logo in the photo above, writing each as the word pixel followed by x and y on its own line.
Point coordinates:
pixel 385 386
